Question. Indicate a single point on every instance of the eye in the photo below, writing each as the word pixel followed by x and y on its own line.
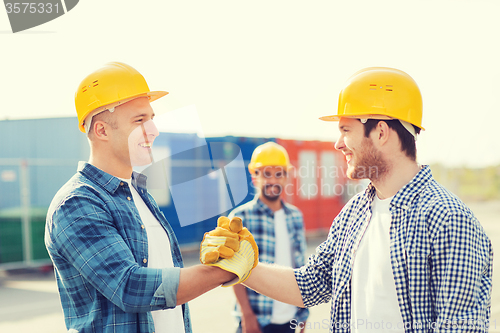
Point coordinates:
pixel 140 120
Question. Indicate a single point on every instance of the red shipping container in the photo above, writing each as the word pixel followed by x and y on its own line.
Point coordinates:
pixel 317 183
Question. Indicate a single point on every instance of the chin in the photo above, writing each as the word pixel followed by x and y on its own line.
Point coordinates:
pixel 350 173
pixel 356 174
pixel 141 161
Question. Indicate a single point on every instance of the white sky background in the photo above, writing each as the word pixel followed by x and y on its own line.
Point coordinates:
pixel 271 68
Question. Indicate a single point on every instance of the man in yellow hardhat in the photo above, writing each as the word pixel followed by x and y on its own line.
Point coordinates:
pixel 117 261
pixel 278 229
pixel 405 255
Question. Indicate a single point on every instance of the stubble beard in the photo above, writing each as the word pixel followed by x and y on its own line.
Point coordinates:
pixel 275 194
pixel 370 164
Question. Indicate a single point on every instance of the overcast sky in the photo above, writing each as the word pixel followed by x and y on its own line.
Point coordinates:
pixel 271 68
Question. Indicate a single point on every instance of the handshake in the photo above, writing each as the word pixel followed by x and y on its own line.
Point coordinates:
pixel 230 247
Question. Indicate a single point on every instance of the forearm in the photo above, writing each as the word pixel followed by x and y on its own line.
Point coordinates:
pixel 242 297
pixel 197 280
pixel 276 282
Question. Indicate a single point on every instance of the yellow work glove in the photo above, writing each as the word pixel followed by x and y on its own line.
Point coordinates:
pixel 221 242
pixel 219 249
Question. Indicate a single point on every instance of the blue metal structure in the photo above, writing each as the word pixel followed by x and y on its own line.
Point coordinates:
pixel 49 148
pixel 221 151
pixel 42 155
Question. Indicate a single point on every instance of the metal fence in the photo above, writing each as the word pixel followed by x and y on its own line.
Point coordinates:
pixel 26 189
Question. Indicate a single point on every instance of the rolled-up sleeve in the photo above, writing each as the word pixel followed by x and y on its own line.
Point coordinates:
pixel 167 292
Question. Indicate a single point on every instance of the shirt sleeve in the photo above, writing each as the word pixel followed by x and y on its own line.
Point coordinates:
pixel 167 292
pixel 462 274
pixel 315 278
pixel 85 236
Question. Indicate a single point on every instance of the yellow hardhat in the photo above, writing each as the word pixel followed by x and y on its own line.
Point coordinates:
pixel 114 84
pixel 380 93
pixel 269 154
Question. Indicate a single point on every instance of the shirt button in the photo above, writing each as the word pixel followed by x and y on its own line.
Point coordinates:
pixel 145 260
pixel 128 198
pixel 142 226
pixel 121 183
pixel 341 283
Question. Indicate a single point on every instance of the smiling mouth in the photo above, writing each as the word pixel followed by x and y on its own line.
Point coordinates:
pixel 146 145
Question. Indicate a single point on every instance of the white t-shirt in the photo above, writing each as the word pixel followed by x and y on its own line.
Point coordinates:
pixel 159 256
pixel 282 312
pixel 375 306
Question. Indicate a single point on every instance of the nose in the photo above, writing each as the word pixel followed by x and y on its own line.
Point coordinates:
pixel 149 129
pixel 272 180
pixel 339 145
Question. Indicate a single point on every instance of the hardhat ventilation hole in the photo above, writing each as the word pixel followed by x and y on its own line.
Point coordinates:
pixel 388 87
pixel 95 83
pixel 373 87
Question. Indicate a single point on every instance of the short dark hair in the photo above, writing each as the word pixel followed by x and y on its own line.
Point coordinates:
pixel 407 140
pixel 105 116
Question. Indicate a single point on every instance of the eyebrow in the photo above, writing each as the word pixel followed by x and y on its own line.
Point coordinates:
pixel 142 115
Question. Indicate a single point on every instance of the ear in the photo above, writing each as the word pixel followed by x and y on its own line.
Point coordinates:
pixel 254 179
pixel 382 131
pixel 100 129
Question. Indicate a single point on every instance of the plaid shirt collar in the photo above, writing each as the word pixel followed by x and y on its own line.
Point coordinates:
pixel 263 208
pixel 408 192
pixel 108 182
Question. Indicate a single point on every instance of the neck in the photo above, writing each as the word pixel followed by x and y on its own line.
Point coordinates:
pixel 273 205
pixel 398 175
pixel 111 165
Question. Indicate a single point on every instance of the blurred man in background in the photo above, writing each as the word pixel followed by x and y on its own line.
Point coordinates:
pixel 278 230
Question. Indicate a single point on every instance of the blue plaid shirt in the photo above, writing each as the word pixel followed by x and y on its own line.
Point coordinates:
pixel 441 260
pixel 259 219
pixel 99 248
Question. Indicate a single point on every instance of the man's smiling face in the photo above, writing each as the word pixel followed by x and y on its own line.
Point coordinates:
pixel 133 137
pixel 364 161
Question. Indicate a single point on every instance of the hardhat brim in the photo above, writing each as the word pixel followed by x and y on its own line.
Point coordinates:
pixel 152 96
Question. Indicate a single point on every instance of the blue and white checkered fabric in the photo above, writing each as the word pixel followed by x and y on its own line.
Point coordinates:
pixel 441 260
pixel 99 250
pixel 259 220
